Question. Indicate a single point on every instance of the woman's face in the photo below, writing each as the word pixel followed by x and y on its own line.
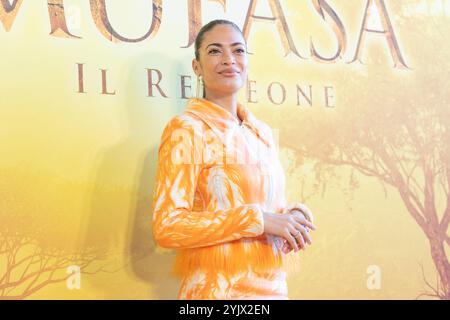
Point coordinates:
pixel 223 60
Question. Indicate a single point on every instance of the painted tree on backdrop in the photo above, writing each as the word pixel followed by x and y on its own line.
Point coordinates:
pixel 34 249
pixel 400 137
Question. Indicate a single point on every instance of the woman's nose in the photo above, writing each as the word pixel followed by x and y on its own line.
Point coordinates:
pixel 228 59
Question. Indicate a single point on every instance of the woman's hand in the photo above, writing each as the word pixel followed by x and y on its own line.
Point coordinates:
pixel 298 209
pixel 292 227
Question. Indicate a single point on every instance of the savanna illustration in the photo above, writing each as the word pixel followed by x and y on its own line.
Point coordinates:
pixel 355 91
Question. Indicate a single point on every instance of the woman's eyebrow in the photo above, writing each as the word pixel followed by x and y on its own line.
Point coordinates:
pixel 220 45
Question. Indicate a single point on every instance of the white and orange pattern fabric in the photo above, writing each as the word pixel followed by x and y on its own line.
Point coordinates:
pixel 215 178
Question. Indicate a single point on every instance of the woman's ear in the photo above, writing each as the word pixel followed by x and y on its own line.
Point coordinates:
pixel 196 67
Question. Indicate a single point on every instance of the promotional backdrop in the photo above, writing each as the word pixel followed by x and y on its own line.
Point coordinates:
pixel 356 91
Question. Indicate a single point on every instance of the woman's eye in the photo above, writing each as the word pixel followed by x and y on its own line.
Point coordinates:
pixel 213 51
pixel 240 50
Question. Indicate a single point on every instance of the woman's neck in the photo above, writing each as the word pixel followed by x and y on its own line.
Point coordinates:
pixel 228 102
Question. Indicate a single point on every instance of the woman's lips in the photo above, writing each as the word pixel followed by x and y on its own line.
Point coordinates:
pixel 229 74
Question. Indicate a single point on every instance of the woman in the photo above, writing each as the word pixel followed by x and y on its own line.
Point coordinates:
pixel 219 197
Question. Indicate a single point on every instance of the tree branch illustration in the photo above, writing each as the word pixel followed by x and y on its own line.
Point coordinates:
pixel 30 266
pixel 399 137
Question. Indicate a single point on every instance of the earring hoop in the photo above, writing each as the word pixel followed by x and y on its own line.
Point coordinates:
pixel 200 87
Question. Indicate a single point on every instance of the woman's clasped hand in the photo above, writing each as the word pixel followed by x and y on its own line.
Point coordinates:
pixel 293 226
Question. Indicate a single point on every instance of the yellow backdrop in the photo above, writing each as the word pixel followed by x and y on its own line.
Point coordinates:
pixel 357 91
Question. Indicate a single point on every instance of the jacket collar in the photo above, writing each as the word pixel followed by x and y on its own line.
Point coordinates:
pixel 221 121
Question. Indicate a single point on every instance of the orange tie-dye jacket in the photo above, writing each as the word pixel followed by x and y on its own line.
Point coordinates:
pixel 215 178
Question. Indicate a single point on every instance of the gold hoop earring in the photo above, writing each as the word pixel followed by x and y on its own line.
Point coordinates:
pixel 200 87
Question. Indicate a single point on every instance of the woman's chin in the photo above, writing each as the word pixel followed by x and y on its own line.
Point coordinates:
pixel 230 87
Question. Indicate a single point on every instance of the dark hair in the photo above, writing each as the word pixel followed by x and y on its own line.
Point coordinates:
pixel 207 27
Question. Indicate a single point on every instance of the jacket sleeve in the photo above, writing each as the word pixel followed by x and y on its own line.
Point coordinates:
pixel 175 224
